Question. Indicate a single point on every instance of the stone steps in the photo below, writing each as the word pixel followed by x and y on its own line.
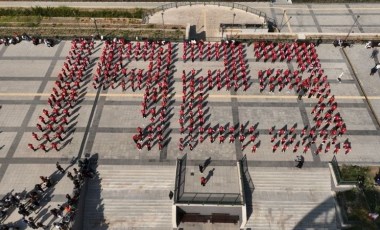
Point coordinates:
pixel 131 197
pixel 280 179
pixel 290 198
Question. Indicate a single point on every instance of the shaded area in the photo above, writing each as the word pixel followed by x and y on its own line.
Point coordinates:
pixel 248 186
pixel 97 221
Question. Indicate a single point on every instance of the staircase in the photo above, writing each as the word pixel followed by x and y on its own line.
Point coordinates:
pixel 130 197
pixel 291 198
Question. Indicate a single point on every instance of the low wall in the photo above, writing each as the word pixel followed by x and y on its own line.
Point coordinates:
pixel 308 36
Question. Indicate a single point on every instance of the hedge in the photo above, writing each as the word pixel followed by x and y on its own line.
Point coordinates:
pixel 64 11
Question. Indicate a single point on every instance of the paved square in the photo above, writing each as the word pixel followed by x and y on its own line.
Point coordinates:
pixel 134 184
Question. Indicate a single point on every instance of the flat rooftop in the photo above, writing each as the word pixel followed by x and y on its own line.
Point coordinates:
pixel 222 179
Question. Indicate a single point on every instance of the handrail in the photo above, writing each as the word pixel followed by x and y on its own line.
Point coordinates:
pixel 241 177
pixel 145 17
pixel 219 198
pixel 177 174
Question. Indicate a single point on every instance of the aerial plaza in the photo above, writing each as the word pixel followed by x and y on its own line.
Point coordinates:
pixel 239 123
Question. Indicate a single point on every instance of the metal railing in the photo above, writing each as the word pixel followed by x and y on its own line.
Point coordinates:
pixel 180 178
pixel 246 177
pixel 233 5
pixel 338 176
pixel 211 198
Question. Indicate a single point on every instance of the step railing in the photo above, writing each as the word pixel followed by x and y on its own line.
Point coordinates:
pixel 211 198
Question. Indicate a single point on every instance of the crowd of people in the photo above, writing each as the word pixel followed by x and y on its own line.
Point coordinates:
pixel 13 40
pixel 193 115
pixel 234 73
pixel 155 81
pixel 54 121
pixel 29 203
pixel 329 124
pixel 112 72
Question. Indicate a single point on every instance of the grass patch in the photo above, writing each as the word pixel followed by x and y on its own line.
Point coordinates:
pixel 352 172
pixel 64 11
pixel 356 203
pixel 35 19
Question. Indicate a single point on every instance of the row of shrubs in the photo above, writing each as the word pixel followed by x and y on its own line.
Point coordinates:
pixel 64 11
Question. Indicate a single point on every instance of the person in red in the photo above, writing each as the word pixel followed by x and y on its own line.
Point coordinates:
pixel 43 147
pixel 253 138
pixel 53 119
pixel 42 119
pixel 35 136
pixel 66 112
pixel 331 100
pixel 343 130
pixel 281 132
pixel 139 146
pixel 251 129
pixel 54 145
pixel 241 138
pixel 64 120
pixel 59 136
pixel 47 137
pixel 221 139
pixel 201 139
pixel 203 181
pixel 253 149
pixel 148 145
pixel 306 148
pixel 348 149
pixel 201 129
pixel 32 147
pixel 136 138
pixel 40 127
pixel 210 131
pixel 231 130
pixel 61 129
pixel 336 150
pixel 274 148
pixel 56 111
pixel 271 130
pixel 295 148
pixel 140 131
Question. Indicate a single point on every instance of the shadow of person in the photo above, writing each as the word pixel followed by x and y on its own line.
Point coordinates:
pixel 210 174
pixel 375 52
pixel 373 71
pixel 207 163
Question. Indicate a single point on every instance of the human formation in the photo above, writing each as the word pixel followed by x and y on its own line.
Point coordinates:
pixel 309 78
pixel 114 70
pixel 155 81
pixel 54 121
pixel 234 75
